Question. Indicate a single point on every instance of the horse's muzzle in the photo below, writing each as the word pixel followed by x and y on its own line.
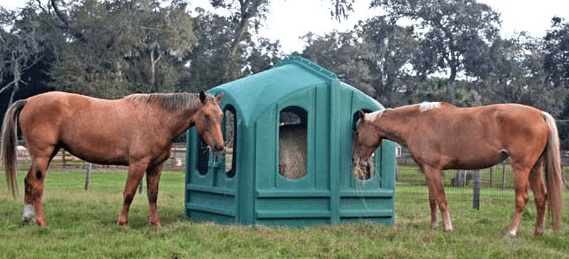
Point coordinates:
pixel 217 150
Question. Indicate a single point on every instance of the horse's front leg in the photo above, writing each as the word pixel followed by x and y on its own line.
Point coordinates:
pixel 135 174
pixel 434 214
pixel 437 197
pixel 152 180
pixel 540 194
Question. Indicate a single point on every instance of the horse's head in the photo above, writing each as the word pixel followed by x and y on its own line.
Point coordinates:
pixel 365 141
pixel 208 121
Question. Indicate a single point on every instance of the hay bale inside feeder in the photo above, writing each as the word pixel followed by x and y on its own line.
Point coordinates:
pixel 292 143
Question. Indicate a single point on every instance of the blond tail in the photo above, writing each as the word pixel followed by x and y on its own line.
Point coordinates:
pixel 10 142
pixel 553 178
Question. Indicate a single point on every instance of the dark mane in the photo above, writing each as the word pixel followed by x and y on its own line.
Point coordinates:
pixel 171 101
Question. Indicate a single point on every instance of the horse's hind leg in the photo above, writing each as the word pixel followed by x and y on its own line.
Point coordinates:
pixel 152 180
pixel 135 174
pixel 34 189
pixel 521 175
pixel 540 193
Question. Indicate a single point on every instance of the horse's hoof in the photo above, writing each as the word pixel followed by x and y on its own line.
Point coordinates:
pixel 29 221
pixel 511 234
pixel 41 222
pixel 28 215
pixel 538 232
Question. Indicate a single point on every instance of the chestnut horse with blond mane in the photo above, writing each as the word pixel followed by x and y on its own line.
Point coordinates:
pixel 441 136
pixel 137 131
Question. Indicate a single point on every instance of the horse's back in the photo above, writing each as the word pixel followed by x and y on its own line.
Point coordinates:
pixel 478 137
pixel 508 116
pixel 506 123
pixel 62 100
pixel 516 119
pixel 81 124
pixel 60 109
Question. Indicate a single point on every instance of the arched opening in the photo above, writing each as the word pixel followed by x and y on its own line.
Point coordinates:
pixel 363 173
pixel 230 135
pixel 293 126
pixel 203 156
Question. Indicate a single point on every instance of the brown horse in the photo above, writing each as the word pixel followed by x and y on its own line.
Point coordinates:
pixel 441 136
pixel 136 131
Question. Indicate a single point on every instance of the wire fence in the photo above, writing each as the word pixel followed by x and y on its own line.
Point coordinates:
pixel 63 161
pixel 496 181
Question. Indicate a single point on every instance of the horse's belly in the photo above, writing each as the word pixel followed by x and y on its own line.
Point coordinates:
pixel 99 153
pixel 477 161
pixel 472 165
pixel 101 159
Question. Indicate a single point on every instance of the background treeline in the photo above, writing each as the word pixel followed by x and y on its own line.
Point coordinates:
pixel 412 51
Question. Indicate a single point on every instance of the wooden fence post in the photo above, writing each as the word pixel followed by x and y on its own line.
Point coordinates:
pixel 63 157
pixel 491 176
pixel 476 191
pixel 88 176
pixel 504 175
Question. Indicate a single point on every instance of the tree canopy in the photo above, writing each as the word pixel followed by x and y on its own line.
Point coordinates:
pixel 412 51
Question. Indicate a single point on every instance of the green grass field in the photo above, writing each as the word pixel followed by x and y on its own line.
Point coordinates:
pixel 81 224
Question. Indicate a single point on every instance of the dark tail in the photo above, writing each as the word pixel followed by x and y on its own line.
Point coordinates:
pixel 10 142
pixel 553 172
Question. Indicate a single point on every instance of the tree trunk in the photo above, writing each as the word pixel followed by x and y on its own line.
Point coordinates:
pixel 17 75
pixel 153 62
pixel 453 64
pixel 234 46
pixel 450 91
pixel 65 20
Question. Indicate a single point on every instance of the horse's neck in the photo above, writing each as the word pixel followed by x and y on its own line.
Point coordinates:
pixel 174 121
pixel 397 124
pixel 182 121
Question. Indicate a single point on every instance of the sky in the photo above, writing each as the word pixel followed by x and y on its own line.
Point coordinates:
pixel 289 20
pixel 287 26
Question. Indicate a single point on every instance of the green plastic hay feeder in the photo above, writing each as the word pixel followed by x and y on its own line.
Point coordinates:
pixel 291 158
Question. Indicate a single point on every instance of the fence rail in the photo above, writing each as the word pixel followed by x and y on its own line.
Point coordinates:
pixel 499 177
pixel 65 161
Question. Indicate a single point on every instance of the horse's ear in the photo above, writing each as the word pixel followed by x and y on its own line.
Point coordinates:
pixel 361 113
pixel 202 97
pixel 219 96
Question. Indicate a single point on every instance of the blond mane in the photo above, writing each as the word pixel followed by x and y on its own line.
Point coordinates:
pixel 425 106
pixel 371 117
pixel 170 101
